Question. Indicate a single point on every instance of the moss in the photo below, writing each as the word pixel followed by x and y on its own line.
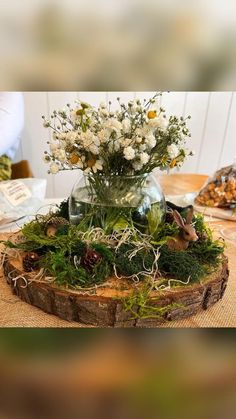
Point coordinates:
pixel 180 264
pixel 143 260
pixel 141 307
pixel 63 209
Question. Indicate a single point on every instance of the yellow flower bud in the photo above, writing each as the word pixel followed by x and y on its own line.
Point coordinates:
pixel 152 114
pixel 80 112
pixel 74 158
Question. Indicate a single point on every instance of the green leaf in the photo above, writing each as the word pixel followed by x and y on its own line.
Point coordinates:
pixel 154 219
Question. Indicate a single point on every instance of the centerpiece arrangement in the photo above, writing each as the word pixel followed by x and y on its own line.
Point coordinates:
pixel 115 253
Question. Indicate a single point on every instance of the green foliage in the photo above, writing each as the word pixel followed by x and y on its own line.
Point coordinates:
pixel 60 265
pixel 154 217
pixel 207 251
pixel 180 265
pixel 164 232
pixel 143 260
pixel 201 227
pixel 63 209
pixel 104 251
pixel 141 307
pixel 58 252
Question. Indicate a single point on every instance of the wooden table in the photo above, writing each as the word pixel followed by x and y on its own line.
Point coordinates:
pixel 15 313
pixel 178 184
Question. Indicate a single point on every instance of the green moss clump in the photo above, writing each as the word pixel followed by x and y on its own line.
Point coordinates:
pixel 143 260
pixel 63 209
pixel 181 265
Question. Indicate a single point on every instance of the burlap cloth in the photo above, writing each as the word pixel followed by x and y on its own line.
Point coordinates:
pixel 15 313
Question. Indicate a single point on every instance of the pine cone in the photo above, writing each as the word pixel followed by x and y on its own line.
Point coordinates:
pixel 90 259
pixel 53 224
pixel 31 261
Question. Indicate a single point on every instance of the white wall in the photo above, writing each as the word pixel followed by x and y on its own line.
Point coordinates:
pixel 213 128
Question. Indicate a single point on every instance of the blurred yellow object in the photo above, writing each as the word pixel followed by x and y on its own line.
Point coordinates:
pixel 152 114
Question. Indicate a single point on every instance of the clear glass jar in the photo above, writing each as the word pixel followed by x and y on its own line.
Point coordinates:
pixel 114 202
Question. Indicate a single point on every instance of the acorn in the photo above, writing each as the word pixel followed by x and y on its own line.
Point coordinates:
pixel 56 224
pixel 31 261
pixel 90 259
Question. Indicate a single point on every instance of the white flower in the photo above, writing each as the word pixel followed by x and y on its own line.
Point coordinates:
pixel 103 135
pixel 104 113
pixel 113 125
pixel 60 155
pixel 90 142
pixel 173 151
pixel 94 149
pixel 97 166
pixel 129 153
pixel 158 122
pixel 54 168
pixel 137 165
pixel 53 147
pixel 126 125
pixel 125 142
pixel 70 137
pixel 144 158
pixel 142 147
pixel 150 140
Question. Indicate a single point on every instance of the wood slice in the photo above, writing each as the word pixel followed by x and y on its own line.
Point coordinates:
pixel 104 306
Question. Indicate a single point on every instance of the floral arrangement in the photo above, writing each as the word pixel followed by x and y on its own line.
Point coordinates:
pixel 133 140
pixel 129 234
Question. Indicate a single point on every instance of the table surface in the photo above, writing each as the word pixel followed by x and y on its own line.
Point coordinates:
pixel 15 313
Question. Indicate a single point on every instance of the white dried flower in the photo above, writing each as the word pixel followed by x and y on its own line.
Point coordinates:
pixel 53 147
pixel 94 149
pixel 104 113
pixel 60 155
pixel 150 140
pixel 70 137
pixel 129 153
pixel 137 165
pixel 126 125
pixel 173 151
pixel 103 135
pixel 125 142
pixel 113 125
pixel 54 168
pixel 144 158
pixel 158 122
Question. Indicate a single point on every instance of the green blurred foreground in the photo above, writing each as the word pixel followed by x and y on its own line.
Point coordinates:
pixel 114 374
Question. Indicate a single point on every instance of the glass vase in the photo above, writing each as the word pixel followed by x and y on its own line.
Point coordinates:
pixel 116 202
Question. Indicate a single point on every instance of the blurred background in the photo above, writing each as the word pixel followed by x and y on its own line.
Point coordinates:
pixel 118 45
pixel 213 129
pixel 117 374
